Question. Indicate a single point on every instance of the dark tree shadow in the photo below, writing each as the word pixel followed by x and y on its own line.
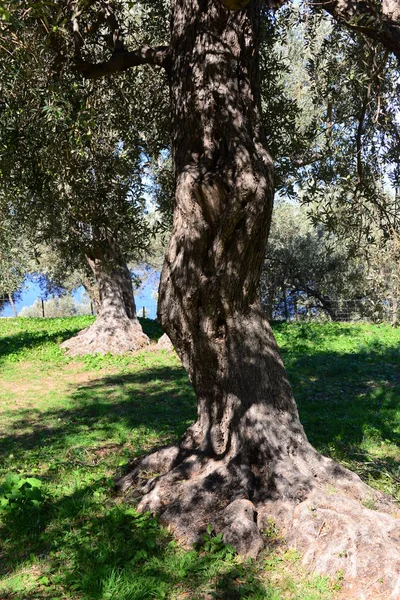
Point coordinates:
pixel 160 399
pixel 28 340
pixel 115 553
pixel 343 398
pixel 347 401
pixel 14 343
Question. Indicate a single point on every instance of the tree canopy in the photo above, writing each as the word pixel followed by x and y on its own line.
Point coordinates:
pixel 73 164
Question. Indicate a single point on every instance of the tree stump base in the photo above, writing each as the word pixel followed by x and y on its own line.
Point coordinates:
pixel 107 337
pixel 321 513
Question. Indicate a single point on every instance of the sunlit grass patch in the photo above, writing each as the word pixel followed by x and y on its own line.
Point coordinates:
pixel 346 379
pixel 74 424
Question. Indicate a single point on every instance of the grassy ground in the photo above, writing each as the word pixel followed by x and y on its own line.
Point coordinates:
pixel 68 426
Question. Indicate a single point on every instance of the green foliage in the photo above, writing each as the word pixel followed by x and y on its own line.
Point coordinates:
pixel 213 543
pixel 271 531
pixel 337 104
pixel 311 272
pixel 75 178
pixel 20 494
pixel 37 339
pixel 74 425
pixel 14 258
pixel 330 104
pixel 346 386
pixel 307 271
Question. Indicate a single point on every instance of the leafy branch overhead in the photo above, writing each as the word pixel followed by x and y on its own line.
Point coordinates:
pixel 121 58
pixel 101 47
pixel 72 161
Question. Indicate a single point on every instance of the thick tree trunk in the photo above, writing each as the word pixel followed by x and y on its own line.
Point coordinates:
pixel 247 456
pixel 116 329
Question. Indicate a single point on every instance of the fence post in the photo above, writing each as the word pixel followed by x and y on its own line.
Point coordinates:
pixel 91 307
pixel 42 307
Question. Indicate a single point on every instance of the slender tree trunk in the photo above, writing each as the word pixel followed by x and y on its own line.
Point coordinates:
pixel 395 311
pixel 269 303
pixel 246 457
pixel 92 289
pixel 285 304
pixel 326 303
pixel 11 301
pixel 116 329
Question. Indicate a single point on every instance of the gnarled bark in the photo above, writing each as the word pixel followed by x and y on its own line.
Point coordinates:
pixel 247 455
pixel 116 329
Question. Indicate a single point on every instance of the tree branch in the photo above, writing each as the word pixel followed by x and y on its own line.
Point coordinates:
pixel 121 60
pixel 359 133
pixel 305 161
pixel 378 21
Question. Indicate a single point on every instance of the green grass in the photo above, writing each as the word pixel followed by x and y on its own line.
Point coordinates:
pixel 346 380
pixel 73 424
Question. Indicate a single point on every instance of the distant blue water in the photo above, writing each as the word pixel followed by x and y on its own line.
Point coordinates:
pixel 144 297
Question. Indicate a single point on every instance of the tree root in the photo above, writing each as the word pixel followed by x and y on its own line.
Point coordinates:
pixel 164 343
pixel 103 337
pixel 319 507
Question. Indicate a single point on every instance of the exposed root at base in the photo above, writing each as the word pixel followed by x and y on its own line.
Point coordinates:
pixel 104 337
pixel 321 514
pixel 164 343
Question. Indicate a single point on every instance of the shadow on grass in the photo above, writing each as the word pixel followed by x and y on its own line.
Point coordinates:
pixel 350 402
pixel 99 549
pixel 158 401
pixel 96 547
pixel 343 399
pixel 315 331
pixel 100 552
pixel 17 342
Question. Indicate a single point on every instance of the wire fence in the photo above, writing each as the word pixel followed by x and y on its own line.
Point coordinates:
pixel 290 309
pixel 344 310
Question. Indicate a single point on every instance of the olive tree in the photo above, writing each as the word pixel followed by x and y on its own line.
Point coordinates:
pixel 73 176
pixel 246 458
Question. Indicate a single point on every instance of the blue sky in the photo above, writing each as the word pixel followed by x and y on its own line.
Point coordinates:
pixel 144 298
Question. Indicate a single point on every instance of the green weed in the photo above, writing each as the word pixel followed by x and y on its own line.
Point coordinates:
pixel 18 494
pixel 69 426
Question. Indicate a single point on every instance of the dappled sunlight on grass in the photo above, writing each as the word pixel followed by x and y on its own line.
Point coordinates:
pixel 76 424
pixel 26 339
pixel 347 389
